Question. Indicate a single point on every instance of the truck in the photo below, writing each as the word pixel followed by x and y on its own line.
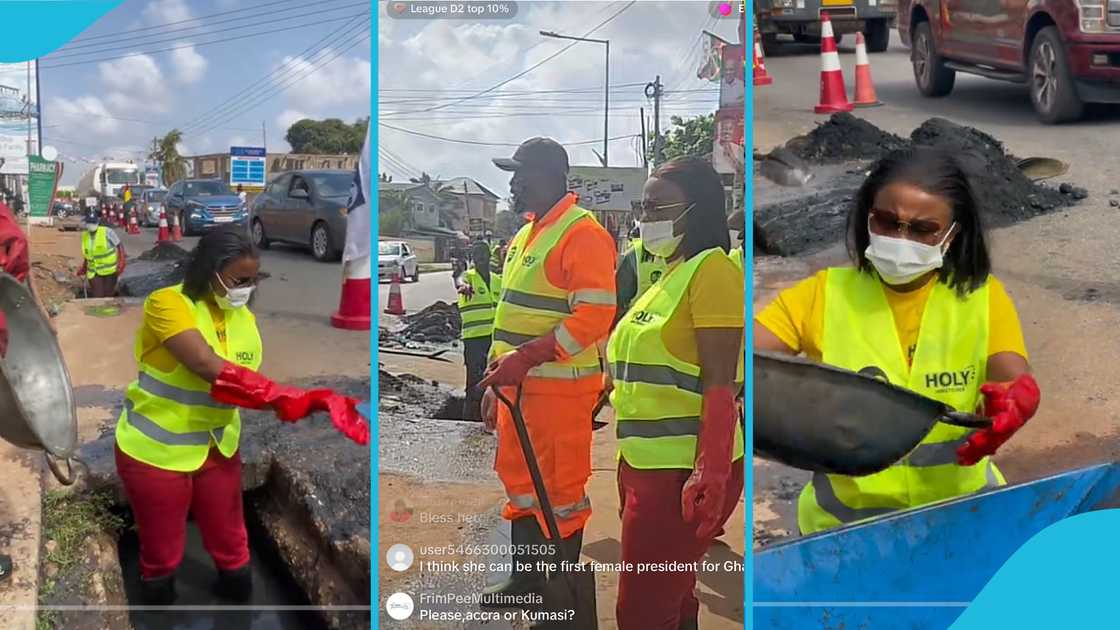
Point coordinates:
pixel 802 20
pixel 1067 52
pixel 106 180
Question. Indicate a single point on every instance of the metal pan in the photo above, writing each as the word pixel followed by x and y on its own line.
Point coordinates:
pixel 825 419
pixel 36 399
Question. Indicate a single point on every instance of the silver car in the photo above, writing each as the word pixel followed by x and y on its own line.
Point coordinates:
pixel 151 205
pixel 306 208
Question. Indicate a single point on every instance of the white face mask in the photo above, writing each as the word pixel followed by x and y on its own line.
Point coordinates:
pixel 91 227
pixel 900 261
pixel 234 298
pixel 658 238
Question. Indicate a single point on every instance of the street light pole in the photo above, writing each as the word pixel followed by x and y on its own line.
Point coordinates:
pixel 606 83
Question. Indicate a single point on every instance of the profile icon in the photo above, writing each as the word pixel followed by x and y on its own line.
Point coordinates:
pixel 402 512
pixel 399 557
pixel 399 606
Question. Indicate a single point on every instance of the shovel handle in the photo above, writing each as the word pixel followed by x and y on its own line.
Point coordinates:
pixel 70 476
pixel 545 503
pixel 964 419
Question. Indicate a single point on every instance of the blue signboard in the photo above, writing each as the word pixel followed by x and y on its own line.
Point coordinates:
pixel 247 166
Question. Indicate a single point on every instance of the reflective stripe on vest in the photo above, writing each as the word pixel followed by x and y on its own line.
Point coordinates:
pixel 169 420
pixel 736 256
pixel 529 502
pixel 477 311
pixel 101 257
pixel 657 397
pixel 530 306
pixel 949 365
pixel 649 271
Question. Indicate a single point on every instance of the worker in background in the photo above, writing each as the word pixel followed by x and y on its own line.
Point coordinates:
pixel 638 270
pixel 241 194
pixel 478 295
pixel 557 302
pixel 676 362
pixel 178 436
pixel 103 258
pixel 919 302
pixel 126 195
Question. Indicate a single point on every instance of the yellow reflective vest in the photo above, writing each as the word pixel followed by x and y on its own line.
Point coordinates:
pixel 949 364
pixel 657 398
pixel 101 257
pixel 477 311
pixel 530 306
pixel 649 271
pixel 169 419
pixel 736 255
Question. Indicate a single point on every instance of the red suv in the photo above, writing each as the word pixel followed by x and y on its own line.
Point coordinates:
pixel 1066 51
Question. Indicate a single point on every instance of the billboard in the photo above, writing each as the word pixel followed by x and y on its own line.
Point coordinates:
pixel 728 154
pixel 610 188
pixel 18 114
pixel 247 167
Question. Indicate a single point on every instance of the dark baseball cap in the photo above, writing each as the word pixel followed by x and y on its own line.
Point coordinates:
pixel 540 153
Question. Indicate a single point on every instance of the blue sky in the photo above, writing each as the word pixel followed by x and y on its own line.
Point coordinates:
pixel 97 102
pixel 426 66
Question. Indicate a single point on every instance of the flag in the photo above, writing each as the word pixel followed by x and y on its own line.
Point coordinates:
pixel 712 58
pixel 357 215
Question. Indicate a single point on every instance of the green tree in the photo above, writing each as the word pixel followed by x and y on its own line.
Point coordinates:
pixel 392 212
pixel 165 151
pixel 695 136
pixel 331 136
pixel 506 224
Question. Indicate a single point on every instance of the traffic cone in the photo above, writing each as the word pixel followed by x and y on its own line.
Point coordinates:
pixel 354 307
pixel 133 226
pixel 865 90
pixel 163 235
pixel 759 65
pixel 396 302
pixel 833 93
pixel 176 231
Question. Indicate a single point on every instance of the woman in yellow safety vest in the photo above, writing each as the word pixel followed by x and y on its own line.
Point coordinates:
pixel 177 437
pixel 921 309
pixel 676 362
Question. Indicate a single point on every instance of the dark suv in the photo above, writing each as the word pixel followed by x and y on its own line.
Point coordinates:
pixel 202 204
pixel 1066 51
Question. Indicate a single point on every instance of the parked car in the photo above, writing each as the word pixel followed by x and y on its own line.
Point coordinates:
pixel 395 258
pixel 306 208
pixel 151 204
pixel 1066 51
pixel 802 19
pixel 63 209
pixel 201 204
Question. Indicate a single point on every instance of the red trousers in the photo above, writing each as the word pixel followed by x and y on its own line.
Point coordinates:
pixel 161 499
pixel 653 531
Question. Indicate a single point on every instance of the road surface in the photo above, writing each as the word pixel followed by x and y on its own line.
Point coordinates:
pixel 432 287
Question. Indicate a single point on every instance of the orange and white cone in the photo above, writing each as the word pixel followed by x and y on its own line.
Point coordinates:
pixel 133 226
pixel 865 90
pixel 760 75
pixel 354 306
pixel 176 231
pixel 833 93
pixel 396 301
pixel 163 234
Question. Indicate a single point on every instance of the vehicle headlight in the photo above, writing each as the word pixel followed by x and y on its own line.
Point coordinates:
pixel 1092 14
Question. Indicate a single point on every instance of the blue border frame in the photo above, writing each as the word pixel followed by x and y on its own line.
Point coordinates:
pixel 748 326
pixel 375 433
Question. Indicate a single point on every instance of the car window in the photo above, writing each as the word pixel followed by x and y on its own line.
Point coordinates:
pixel 206 189
pixel 388 249
pixel 332 185
pixel 298 183
pixel 278 185
pixel 405 250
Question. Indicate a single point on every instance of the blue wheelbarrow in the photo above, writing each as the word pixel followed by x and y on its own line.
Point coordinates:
pixel 917 569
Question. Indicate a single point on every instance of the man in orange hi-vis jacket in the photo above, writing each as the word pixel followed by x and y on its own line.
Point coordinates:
pixel 557 301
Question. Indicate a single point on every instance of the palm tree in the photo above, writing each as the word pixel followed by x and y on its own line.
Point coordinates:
pixel 165 150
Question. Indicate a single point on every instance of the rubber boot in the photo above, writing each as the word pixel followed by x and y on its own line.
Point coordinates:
pixel 525 536
pixel 158 591
pixel 572 546
pixel 235 585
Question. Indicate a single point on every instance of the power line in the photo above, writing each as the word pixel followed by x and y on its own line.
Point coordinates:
pixel 132 120
pixel 201 44
pixel 536 65
pixel 204 17
pixel 115 45
pixel 492 144
pixel 232 100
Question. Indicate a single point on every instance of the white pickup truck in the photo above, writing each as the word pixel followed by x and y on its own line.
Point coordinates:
pixel 395 258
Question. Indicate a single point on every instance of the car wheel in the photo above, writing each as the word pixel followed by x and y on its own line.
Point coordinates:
pixel 259 239
pixel 321 246
pixel 878 36
pixel 934 79
pixel 838 37
pixel 184 225
pixel 416 273
pixel 769 44
pixel 1053 92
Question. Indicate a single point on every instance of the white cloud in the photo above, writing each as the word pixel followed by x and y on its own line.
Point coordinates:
pixel 228 4
pixel 343 81
pixel 137 84
pixel 166 11
pixel 289 117
pixel 449 47
pixel 190 66
pixel 86 113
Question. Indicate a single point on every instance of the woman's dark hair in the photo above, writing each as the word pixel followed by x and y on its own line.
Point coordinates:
pixel 966 264
pixel 706 222
pixel 216 249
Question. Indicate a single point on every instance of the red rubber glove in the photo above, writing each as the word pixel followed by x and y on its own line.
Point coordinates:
pixel 120 260
pixel 3 336
pixel 490 410
pixel 81 273
pixel 704 494
pixel 344 415
pixel 510 368
pixel 1009 405
pixel 467 290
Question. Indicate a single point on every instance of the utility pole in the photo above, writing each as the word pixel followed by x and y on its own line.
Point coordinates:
pixel 606 84
pixel 264 138
pixel 654 91
pixel 645 149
